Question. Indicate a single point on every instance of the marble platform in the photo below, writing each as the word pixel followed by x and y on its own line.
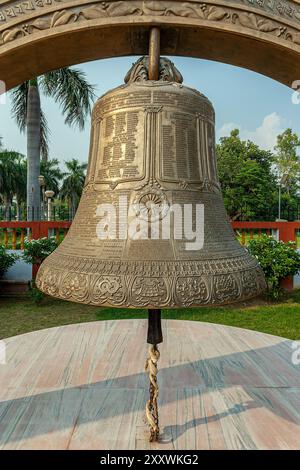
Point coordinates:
pixel 83 386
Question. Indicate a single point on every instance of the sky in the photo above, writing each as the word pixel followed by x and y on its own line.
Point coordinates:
pixel 259 106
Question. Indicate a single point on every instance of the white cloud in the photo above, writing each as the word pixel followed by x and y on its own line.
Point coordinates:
pixel 225 130
pixel 264 135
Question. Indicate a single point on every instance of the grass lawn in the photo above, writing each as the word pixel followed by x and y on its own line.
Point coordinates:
pixel 281 319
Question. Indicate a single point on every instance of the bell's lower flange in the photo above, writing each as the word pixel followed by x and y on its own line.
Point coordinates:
pixel 150 284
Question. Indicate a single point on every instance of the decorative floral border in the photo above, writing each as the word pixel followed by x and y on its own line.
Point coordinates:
pixel 197 10
pixel 137 288
pixel 150 283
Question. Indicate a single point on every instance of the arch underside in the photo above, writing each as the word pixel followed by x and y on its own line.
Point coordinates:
pixel 41 35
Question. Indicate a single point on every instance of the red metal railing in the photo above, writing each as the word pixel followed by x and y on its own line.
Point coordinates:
pixel 12 234
pixel 287 231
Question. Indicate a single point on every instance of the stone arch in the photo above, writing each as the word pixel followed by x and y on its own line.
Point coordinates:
pixel 41 35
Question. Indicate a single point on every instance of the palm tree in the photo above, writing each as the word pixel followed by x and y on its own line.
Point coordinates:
pixel 70 89
pixel 52 174
pixel 73 184
pixel 11 174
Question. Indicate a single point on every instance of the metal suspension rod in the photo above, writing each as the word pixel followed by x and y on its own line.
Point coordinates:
pixel 154 53
pixel 154 337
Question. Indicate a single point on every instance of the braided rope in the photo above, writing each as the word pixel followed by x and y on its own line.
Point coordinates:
pixel 151 406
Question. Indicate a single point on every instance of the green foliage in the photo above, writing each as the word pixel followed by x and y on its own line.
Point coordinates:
pixel 6 260
pixel 287 161
pixel 247 180
pixel 12 174
pixel 71 90
pixel 73 183
pixel 68 87
pixel 12 180
pixel 35 251
pixel 277 259
pixel 52 174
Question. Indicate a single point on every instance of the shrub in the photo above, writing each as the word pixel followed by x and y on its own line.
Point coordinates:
pixel 35 251
pixel 36 295
pixel 277 259
pixel 6 260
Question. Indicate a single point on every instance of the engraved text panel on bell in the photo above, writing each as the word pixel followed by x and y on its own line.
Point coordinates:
pixel 179 147
pixel 121 155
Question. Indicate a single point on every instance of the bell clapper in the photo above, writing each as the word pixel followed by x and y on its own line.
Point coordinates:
pixel 154 337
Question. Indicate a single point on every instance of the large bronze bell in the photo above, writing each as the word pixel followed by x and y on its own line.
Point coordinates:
pixel 152 146
pixel 152 157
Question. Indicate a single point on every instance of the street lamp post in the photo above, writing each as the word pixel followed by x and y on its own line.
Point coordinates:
pixel 42 184
pixel 49 195
pixel 279 202
pixel 281 182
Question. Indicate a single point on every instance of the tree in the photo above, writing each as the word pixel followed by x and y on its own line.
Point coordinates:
pixel 73 184
pixel 246 177
pixel 286 159
pixel 11 177
pixel 70 89
pixel 52 174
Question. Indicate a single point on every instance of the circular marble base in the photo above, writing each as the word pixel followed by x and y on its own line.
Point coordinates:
pixel 83 386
